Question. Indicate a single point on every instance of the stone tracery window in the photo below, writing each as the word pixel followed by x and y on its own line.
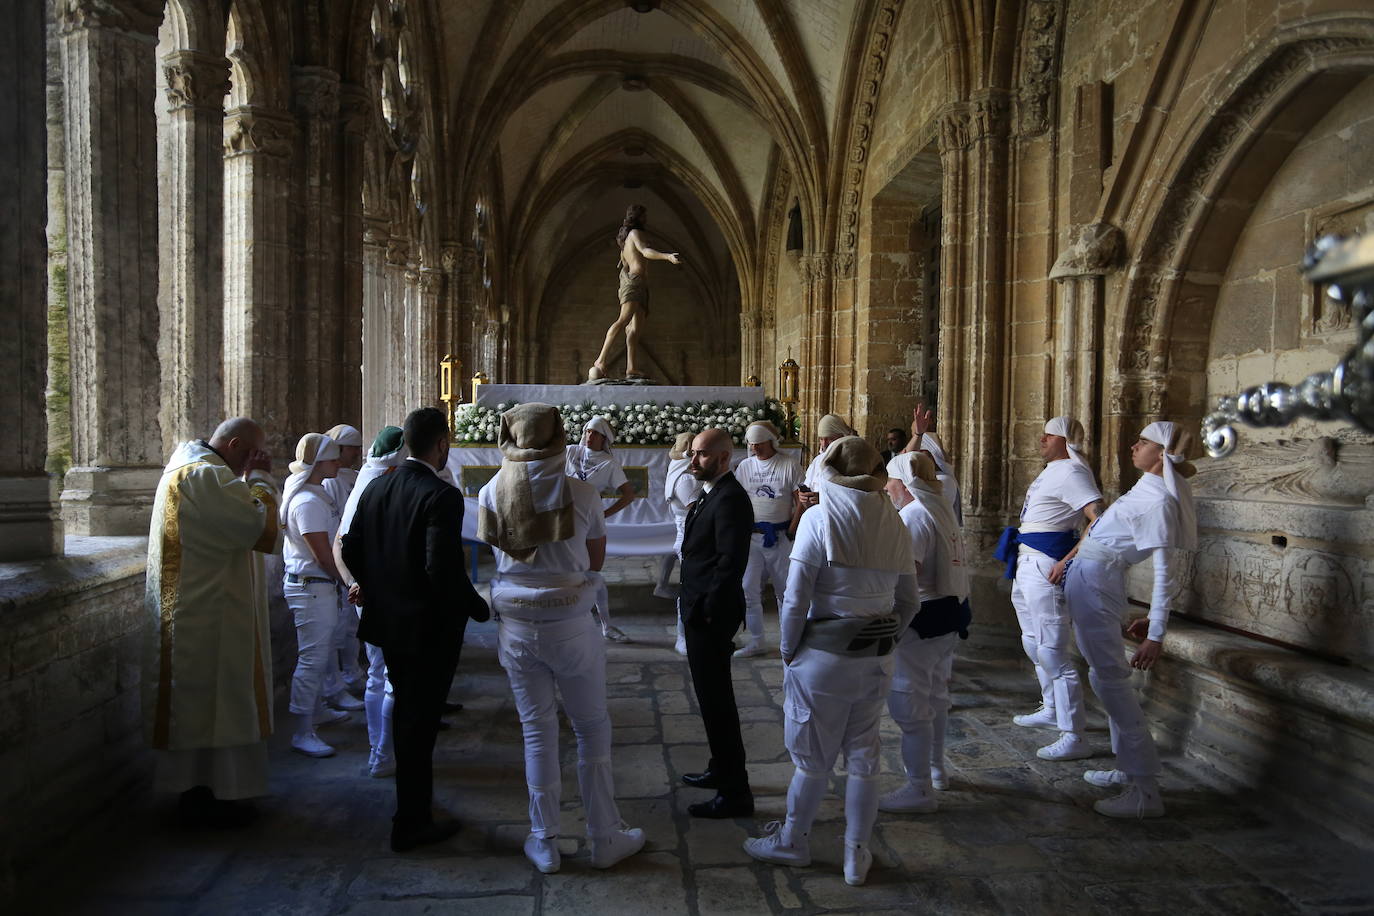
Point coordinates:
pixel 394 70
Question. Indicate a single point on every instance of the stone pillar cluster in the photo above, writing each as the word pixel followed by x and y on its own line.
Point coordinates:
pixel 108 63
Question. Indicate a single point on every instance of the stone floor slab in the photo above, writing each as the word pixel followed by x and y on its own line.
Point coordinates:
pixel 414 876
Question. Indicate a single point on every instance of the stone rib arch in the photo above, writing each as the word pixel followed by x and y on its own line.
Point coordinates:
pixel 1250 124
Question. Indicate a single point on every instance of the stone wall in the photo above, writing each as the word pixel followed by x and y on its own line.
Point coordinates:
pixel 70 723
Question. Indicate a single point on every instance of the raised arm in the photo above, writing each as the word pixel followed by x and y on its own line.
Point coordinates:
pixel 651 253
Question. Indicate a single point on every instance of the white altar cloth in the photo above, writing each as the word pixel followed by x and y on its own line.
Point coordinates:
pixel 490 395
pixel 643 528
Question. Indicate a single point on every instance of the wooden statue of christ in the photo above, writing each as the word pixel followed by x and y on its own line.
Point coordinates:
pixel 634 291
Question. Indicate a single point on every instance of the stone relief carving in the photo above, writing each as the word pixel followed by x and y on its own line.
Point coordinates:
pixel 861 127
pixel 248 132
pixel 195 81
pixel 1094 250
pixel 1307 597
pixel 1039 53
pixel 1324 471
pixel 316 92
pixel 141 17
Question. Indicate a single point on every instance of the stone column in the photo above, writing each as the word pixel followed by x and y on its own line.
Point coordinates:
pixel 191 246
pixel 376 333
pixel 315 317
pixel 818 353
pixel 257 271
pixel 355 115
pixel 423 377
pixel 29 526
pixel 108 51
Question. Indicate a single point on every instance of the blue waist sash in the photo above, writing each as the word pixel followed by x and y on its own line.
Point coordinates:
pixel 770 531
pixel 939 616
pixel 1055 544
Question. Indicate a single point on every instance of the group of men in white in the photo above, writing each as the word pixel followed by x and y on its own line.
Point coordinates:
pixel 866 559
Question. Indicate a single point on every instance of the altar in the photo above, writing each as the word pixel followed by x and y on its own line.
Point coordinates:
pixel 647 418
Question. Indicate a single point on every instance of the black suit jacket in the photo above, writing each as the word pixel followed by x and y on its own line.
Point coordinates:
pixel 405 546
pixel 715 550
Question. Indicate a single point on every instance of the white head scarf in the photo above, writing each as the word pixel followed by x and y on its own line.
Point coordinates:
pixel 376 465
pixel 761 431
pixel 1163 433
pixel 905 467
pixel 1072 432
pixel 344 434
pixel 599 425
pixel 310 451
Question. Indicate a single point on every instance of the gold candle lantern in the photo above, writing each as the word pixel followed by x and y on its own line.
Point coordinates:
pixel 449 394
pixel 752 382
pixel 478 381
pixel 789 384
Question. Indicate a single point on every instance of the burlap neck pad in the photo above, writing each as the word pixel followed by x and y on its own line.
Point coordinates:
pixel 857 464
pixel 531 437
pixel 853 637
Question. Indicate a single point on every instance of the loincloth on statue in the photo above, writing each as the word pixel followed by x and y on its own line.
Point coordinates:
pixel 634 288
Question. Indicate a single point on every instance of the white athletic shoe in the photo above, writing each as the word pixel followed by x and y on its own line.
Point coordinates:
pixel 1137 801
pixel 1105 779
pixel 344 700
pixel 669 592
pixel 327 716
pixel 382 766
pixel 938 779
pixel 543 853
pixel 912 798
pixel 771 848
pixel 857 861
pixel 1041 718
pixel 750 649
pixel 1068 747
pixel 614 634
pixel 311 746
pixel 617 845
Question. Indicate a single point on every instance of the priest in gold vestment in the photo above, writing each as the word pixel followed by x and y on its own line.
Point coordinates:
pixel 207 693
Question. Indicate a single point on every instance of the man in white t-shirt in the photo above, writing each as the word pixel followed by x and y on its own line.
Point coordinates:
pixel 830 428
pixel 339 487
pixel 771 479
pixel 549 534
pixel 1058 501
pixel 592 461
pixel 311 586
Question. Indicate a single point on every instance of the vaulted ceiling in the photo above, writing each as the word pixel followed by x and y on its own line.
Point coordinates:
pixel 566 109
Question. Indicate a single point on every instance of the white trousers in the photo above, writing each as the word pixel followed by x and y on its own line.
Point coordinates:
pixel 1045 631
pixel 315 607
pixel 832 703
pixel 603 599
pixel 920 696
pixel 378 700
pixel 568 654
pixel 1096 596
pixel 764 562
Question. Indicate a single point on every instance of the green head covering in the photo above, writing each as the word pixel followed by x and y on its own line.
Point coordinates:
pixel 388 440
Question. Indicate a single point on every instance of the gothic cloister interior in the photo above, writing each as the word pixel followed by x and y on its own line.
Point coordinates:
pixel 1009 210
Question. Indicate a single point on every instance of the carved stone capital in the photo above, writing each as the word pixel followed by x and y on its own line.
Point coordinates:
pixel 355 109
pixel 816 266
pixel 984 117
pixel 398 251
pixel 1094 250
pixel 449 257
pixel 376 235
pixel 195 80
pixel 316 92
pixel 431 281
pixel 249 131
pixel 137 17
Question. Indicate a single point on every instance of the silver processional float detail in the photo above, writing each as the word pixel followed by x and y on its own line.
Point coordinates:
pixel 1346 268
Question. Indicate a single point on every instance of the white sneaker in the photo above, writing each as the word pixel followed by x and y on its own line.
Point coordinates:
pixel 750 649
pixel 857 861
pixel 327 716
pixel 311 746
pixel 382 766
pixel 1041 718
pixel 543 853
pixel 1068 747
pixel 912 798
pixel 1105 779
pixel 938 779
pixel 616 845
pixel 344 700
pixel 771 848
pixel 1139 800
pixel 680 647
pixel 614 634
pixel 669 592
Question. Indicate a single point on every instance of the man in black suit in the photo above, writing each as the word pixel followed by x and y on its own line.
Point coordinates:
pixel 715 550
pixel 405 548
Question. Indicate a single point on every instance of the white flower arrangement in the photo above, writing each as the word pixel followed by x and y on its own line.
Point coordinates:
pixel 635 424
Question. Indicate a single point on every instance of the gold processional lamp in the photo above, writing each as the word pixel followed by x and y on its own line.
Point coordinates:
pixel 450 394
pixel 789 378
pixel 752 382
pixel 478 381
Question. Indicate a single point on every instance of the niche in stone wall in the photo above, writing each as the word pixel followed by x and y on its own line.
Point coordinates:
pixel 898 323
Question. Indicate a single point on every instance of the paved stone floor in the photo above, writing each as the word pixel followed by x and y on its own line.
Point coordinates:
pixel 1014 834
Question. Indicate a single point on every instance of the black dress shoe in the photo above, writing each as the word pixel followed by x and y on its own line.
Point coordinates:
pixel 706 780
pixel 437 832
pixel 723 806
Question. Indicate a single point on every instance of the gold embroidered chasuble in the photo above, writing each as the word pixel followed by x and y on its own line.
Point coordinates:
pixel 207 653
